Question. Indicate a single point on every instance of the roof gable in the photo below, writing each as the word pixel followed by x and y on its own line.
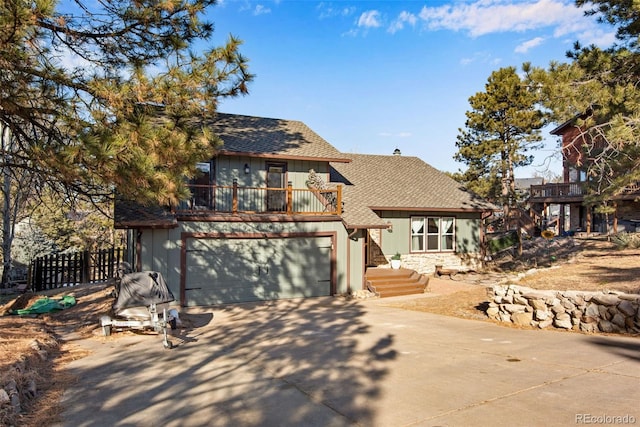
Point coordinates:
pixel 264 137
pixel 378 182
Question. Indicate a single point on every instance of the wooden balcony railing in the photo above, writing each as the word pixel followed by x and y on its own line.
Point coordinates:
pixel 236 199
pixel 555 190
pixel 572 191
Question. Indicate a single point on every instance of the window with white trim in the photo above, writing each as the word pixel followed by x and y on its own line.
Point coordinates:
pixel 433 234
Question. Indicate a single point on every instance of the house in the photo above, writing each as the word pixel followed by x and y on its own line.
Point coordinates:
pixel 279 212
pixel 569 196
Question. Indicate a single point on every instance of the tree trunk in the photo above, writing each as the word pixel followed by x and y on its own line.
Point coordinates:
pixel 7 237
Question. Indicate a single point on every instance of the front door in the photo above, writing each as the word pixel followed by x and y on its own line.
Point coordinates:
pixel 276 193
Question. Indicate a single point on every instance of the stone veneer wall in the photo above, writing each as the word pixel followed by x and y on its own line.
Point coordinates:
pixel 425 263
pixel 576 310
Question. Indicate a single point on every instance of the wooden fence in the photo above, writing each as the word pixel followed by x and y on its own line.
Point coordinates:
pixel 71 269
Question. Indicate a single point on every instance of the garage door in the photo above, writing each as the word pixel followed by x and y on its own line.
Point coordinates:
pixel 220 271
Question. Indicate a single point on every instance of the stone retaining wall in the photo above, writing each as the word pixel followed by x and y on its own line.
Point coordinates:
pixel 584 311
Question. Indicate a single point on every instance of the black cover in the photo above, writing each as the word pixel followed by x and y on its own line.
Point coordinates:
pixel 142 289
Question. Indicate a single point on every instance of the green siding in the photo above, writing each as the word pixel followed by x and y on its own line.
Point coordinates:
pixel 398 238
pixel 161 248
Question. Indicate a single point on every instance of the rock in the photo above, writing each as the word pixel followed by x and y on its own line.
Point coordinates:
pixel 558 308
pixel 531 295
pixel 538 304
pixel 14 396
pixel 589 327
pixel 627 308
pixel 563 320
pixel 500 290
pixel 589 319
pixel 541 314
pixel 604 313
pixel 568 305
pixel 492 312
pixel 514 308
pixel 619 320
pixel 522 318
pixel 592 310
pixel 545 323
pixel 605 326
pixel 551 301
pixel 498 299
pixel 4 397
pixel 606 299
pixel 505 317
pixel 518 299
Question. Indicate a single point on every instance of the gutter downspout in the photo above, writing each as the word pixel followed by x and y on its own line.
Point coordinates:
pixel 349 237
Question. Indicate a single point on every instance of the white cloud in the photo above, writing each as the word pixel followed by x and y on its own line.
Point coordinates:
pixel 491 16
pixel 529 44
pixel 369 19
pixel 482 17
pixel 328 11
pixel 261 10
pixel 402 19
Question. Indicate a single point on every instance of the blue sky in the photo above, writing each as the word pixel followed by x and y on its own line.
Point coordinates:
pixel 372 76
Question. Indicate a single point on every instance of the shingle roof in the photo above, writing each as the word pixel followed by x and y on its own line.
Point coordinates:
pixel 128 214
pixel 273 137
pixel 377 182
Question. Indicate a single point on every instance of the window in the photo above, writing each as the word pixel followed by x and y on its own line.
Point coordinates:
pixel 432 233
pixel 417 234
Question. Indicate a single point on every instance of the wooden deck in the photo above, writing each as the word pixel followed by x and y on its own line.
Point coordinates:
pixel 387 282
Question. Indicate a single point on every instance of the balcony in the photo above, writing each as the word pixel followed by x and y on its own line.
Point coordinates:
pixel 234 199
pixel 558 192
pixel 573 192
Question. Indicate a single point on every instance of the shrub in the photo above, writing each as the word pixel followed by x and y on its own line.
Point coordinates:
pixel 626 240
pixel 503 242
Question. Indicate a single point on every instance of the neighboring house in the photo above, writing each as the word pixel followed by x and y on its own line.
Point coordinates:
pixel 523 186
pixel 278 212
pixel 569 195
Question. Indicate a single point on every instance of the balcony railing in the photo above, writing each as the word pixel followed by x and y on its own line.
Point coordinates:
pixel 571 189
pixel 235 199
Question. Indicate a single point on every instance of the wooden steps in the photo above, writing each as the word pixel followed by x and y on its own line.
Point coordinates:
pixel 387 282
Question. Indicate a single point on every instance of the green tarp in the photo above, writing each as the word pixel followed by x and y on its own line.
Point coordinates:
pixel 47 305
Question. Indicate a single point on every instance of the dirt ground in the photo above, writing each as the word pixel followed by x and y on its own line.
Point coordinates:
pixel 564 264
pixel 33 354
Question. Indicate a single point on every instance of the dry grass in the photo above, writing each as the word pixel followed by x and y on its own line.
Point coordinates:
pixel 590 265
pixel 31 351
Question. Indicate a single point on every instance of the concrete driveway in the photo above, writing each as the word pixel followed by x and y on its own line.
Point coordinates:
pixel 331 362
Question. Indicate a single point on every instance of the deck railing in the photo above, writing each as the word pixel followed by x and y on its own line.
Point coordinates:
pixel 558 190
pixel 236 199
pixel 571 189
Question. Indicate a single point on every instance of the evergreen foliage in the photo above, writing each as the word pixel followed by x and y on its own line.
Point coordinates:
pixel 81 87
pixel 598 90
pixel 501 129
pixel 80 83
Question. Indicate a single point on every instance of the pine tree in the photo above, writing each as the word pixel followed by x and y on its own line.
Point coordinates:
pixel 598 87
pixel 501 129
pixel 77 93
pixel 80 86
